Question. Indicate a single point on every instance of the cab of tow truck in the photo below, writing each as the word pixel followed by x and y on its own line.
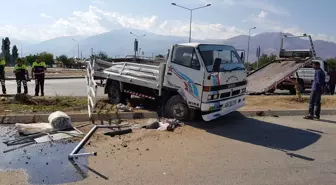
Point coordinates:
pixel 307 72
pixel 210 77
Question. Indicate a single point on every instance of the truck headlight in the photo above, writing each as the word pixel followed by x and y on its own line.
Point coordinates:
pixel 213 96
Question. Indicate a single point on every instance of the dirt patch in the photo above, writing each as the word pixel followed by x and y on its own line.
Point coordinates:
pixel 30 104
pixel 22 104
pixel 64 72
pixel 284 102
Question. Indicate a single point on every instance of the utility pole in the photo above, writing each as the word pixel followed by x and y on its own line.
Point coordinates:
pixel 77 47
pixel 258 56
pixel 21 51
pixel 136 44
pixel 248 43
pixel 191 14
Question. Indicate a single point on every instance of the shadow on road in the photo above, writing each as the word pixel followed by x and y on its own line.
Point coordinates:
pixel 328 121
pixel 238 127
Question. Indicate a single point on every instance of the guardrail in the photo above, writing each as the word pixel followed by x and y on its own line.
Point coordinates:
pixel 91 86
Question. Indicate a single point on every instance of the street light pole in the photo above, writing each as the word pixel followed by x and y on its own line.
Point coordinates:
pixel 136 47
pixel 77 47
pixel 248 43
pixel 191 14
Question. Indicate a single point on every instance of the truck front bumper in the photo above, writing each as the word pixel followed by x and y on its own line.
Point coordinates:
pixel 224 107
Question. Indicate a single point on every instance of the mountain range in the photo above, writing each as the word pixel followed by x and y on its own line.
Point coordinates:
pixel 120 43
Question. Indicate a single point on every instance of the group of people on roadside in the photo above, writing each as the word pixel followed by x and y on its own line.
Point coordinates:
pixel 22 76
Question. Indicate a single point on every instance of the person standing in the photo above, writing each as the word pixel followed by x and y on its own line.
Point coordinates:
pixel 38 71
pixel 316 93
pixel 21 74
pixel 2 75
pixel 332 81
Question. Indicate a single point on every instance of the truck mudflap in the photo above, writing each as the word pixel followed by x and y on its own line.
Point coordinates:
pixel 224 107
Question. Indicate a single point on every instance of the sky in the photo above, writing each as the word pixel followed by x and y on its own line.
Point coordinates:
pixel 38 20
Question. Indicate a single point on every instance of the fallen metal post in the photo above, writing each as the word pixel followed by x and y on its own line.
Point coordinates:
pixel 80 145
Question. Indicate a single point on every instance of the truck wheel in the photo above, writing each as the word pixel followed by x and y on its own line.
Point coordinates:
pixel 271 91
pixel 292 91
pixel 114 94
pixel 177 108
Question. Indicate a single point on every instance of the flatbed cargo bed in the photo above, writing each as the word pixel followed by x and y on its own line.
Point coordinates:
pixel 272 74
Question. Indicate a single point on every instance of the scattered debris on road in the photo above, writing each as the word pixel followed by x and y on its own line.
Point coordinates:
pixel 163 124
pixel 75 153
pixel 118 132
pixel 59 127
pixel 124 108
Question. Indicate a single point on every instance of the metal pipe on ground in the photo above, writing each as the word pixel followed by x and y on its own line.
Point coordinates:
pixel 87 137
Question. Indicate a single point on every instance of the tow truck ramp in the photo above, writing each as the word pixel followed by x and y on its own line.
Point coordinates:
pixel 269 76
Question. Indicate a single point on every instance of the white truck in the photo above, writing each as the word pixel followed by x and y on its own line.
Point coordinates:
pixel 208 78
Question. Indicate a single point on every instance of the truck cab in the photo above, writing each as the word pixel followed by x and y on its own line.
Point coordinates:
pixel 210 77
pixel 307 72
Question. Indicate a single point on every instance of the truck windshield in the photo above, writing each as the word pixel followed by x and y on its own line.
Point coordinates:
pixel 228 56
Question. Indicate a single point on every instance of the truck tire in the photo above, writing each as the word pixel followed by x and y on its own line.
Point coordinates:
pixel 114 94
pixel 271 91
pixel 292 90
pixel 177 108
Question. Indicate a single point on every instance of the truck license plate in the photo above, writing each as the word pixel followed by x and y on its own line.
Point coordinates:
pixel 230 103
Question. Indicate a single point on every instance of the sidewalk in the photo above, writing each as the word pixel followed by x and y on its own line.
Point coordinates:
pixel 83 117
pixel 51 77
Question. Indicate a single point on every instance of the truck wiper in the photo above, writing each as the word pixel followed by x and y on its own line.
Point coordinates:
pixel 233 69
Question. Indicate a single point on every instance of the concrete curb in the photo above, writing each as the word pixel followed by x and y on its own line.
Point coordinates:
pixel 254 113
pixel 83 117
pixel 52 77
pixel 79 117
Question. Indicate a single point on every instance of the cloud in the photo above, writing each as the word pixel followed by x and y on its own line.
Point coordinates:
pixel 96 21
pixel 261 21
pixel 262 14
pixel 99 2
pixel 254 4
pixel 46 16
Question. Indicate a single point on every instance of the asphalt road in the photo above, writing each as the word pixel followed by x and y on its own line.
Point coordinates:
pixel 244 151
pixel 61 87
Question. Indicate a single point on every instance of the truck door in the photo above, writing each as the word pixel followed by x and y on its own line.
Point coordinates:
pixel 186 74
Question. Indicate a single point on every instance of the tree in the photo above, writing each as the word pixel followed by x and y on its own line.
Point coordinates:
pixel 48 58
pixel 331 63
pixel 263 60
pixel 15 53
pixel 102 55
pixel 159 56
pixel 31 58
pixel 64 59
pixel 6 49
pixel 25 61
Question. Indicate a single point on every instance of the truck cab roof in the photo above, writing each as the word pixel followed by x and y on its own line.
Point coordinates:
pixel 196 44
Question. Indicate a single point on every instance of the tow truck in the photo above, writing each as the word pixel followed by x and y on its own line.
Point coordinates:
pixel 290 66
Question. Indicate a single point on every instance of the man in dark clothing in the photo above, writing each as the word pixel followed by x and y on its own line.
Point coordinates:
pixel 21 73
pixel 2 75
pixel 316 93
pixel 332 81
pixel 38 69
